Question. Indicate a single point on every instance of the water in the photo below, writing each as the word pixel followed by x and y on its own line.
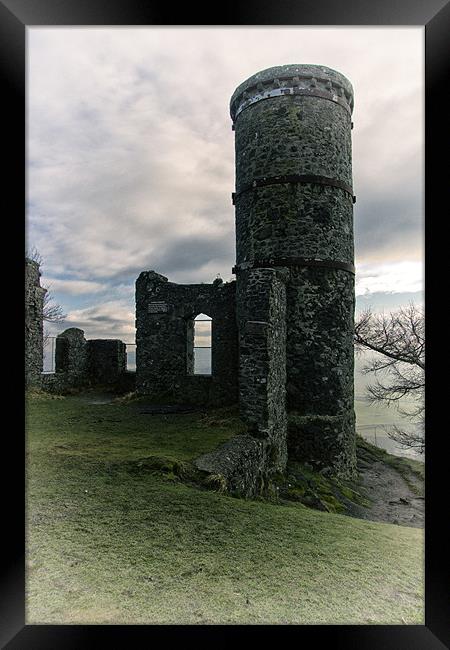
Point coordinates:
pixel 202 361
pixel 379 437
pixel 131 357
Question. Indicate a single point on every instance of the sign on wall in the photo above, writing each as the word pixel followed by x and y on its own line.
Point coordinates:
pixel 158 307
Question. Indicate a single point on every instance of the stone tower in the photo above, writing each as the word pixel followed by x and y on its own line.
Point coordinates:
pixel 294 226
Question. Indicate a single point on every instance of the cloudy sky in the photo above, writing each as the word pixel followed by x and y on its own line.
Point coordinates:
pixel 131 157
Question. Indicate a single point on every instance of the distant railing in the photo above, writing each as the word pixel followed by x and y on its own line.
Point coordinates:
pixel 49 355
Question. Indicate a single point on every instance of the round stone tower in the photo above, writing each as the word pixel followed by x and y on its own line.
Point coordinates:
pixel 294 209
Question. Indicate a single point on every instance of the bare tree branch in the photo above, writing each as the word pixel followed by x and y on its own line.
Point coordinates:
pixel 34 255
pixel 398 339
pixel 52 312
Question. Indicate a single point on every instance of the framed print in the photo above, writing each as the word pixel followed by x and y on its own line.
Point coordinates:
pixel 205 204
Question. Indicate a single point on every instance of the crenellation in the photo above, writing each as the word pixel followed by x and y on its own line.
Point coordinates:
pixel 318 81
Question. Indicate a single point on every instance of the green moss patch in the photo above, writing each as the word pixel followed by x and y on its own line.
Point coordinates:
pixel 309 487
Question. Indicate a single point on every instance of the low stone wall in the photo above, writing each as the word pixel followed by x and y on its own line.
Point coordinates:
pixel 60 383
pixel 72 359
pixel 81 363
pixel 126 382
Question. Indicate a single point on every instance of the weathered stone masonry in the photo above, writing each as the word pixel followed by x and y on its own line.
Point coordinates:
pixel 34 303
pixel 261 302
pixel 294 211
pixel 81 363
pixel 165 314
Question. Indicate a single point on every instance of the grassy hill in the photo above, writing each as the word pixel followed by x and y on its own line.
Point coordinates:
pixel 116 535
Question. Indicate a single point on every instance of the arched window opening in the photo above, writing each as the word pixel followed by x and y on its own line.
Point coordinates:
pixel 202 345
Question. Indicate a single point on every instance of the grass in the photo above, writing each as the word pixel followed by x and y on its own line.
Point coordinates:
pixel 119 431
pixel 115 536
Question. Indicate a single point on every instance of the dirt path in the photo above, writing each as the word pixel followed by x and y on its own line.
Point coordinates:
pixel 393 500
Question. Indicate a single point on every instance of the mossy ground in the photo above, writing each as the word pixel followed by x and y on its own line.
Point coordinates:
pixel 305 485
pixel 311 488
pixel 115 534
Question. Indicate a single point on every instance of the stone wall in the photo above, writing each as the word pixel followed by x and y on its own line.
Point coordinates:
pixel 165 314
pixel 34 342
pixel 294 209
pixel 246 464
pixel 71 355
pixel 107 360
pixel 320 389
pixel 81 363
pixel 261 303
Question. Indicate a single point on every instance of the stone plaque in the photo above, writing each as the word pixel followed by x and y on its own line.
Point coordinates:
pixel 158 308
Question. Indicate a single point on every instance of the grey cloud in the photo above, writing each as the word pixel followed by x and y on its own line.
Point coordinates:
pixel 389 224
pixel 186 255
pixel 380 301
pixel 103 319
pixel 131 153
pixel 195 252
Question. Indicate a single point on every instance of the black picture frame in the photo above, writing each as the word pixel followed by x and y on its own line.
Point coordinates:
pixel 15 16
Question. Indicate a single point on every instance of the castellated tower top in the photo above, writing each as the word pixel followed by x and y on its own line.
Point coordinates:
pixel 293 79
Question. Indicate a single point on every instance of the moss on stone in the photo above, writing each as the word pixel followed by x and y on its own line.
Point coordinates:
pixel 217 482
pixel 306 485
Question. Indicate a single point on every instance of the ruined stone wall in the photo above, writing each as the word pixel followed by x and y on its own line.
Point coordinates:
pixel 164 336
pixel 71 352
pixel 294 209
pixel 34 342
pixel 247 463
pixel 81 363
pixel 107 360
pixel 261 300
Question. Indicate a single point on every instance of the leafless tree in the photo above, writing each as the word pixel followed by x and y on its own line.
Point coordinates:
pixel 399 366
pixel 52 312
